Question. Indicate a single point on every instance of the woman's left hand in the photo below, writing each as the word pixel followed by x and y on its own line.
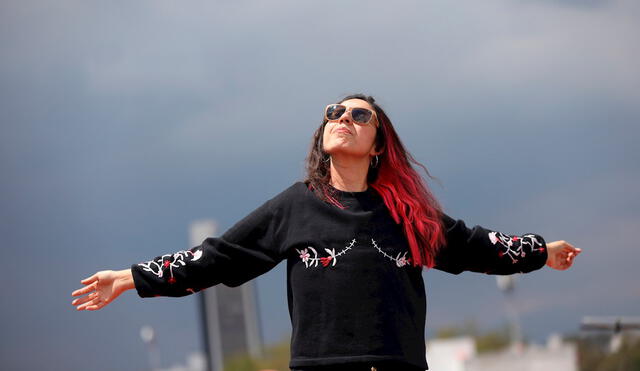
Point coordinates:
pixel 561 254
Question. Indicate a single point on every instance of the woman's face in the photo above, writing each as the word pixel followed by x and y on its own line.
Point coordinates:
pixel 343 136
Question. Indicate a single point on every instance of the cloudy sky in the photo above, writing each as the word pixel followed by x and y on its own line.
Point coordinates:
pixel 122 122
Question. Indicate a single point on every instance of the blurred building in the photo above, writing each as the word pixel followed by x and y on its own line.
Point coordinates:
pixel 459 354
pixel 230 315
pixel 450 354
pixel 195 362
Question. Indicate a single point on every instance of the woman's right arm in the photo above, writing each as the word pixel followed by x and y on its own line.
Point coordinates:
pixel 247 250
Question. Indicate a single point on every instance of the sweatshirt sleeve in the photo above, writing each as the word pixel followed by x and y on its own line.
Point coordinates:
pixel 245 251
pixel 483 250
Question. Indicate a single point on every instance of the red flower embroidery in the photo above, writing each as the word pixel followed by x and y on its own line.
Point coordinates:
pixel 166 263
pixel 172 280
pixel 326 261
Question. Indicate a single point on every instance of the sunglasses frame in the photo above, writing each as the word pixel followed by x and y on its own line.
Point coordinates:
pixel 349 109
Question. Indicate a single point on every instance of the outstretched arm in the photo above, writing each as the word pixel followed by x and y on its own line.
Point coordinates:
pixel 484 250
pixel 245 251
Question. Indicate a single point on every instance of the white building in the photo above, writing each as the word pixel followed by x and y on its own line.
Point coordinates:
pixel 459 354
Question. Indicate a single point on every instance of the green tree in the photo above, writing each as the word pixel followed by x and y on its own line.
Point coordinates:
pixel 275 357
pixel 593 354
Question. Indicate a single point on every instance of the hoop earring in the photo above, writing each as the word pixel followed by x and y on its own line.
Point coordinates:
pixel 372 165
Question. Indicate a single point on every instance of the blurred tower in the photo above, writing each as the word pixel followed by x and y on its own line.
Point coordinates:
pixel 229 315
pixel 506 283
pixel 148 336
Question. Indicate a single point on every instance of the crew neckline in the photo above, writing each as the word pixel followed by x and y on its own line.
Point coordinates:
pixel 356 202
pixel 351 193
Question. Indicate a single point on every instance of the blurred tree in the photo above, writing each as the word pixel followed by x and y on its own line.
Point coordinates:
pixel 276 357
pixel 594 355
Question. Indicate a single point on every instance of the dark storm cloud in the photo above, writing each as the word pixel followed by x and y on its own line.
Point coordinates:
pixel 122 122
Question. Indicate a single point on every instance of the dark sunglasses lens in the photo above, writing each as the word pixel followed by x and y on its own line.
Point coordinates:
pixel 334 111
pixel 361 115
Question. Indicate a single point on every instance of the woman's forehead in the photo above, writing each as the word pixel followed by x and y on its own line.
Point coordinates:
pixel 357 103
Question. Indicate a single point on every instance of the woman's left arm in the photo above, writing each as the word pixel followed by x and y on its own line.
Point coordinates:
pixel 484 250
pixel 561 254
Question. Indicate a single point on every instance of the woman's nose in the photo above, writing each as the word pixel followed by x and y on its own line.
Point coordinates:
pixel 346 117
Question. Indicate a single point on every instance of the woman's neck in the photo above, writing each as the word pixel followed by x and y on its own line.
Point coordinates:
pixel 349 174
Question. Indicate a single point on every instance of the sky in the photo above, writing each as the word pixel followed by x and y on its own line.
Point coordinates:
pixel 123 122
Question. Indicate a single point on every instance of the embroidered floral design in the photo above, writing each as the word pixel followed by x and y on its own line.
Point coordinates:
pixel 400 260
pixel 515 245
pixel 331 259
pixel 306 257
pixel 176 260
pixel 327 260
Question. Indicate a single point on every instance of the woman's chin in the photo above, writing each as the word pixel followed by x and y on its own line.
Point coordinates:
pixel 346 152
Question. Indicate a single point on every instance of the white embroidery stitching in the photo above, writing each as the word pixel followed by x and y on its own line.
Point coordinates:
pixel 156 267
pixel 519 242
pixel 400 261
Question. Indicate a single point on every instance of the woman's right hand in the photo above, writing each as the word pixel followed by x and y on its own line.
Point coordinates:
pixel 102 288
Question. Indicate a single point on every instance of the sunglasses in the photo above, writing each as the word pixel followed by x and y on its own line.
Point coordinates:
pixel 359 115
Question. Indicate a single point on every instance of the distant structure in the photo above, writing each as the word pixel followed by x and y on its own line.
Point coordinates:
pixel 616 326
pixel 459 354
pixel 229 315
pixel 507 284
pixel 450 354
pixel 149 337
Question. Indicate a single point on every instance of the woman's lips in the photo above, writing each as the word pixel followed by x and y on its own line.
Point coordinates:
pixel 343 130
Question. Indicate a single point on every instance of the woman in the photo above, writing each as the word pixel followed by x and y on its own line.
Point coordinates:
pixel 356 235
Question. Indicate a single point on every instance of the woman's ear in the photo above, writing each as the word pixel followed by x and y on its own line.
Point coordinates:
pixel 375 151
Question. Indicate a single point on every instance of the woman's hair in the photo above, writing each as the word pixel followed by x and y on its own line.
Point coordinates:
pixel 409 200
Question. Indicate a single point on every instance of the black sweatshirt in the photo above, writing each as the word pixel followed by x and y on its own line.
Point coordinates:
pixel 352 294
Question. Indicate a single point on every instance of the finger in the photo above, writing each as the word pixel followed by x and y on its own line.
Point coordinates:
pixel 570 247
pixel 84 290
pixel 96 307
pixel 88 280
pixel 100 304
pixel 94 301
pixel 83 299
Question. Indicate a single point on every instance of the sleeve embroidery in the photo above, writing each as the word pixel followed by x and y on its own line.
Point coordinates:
pixel 514 246
pixel 400 260
pixel 176 260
